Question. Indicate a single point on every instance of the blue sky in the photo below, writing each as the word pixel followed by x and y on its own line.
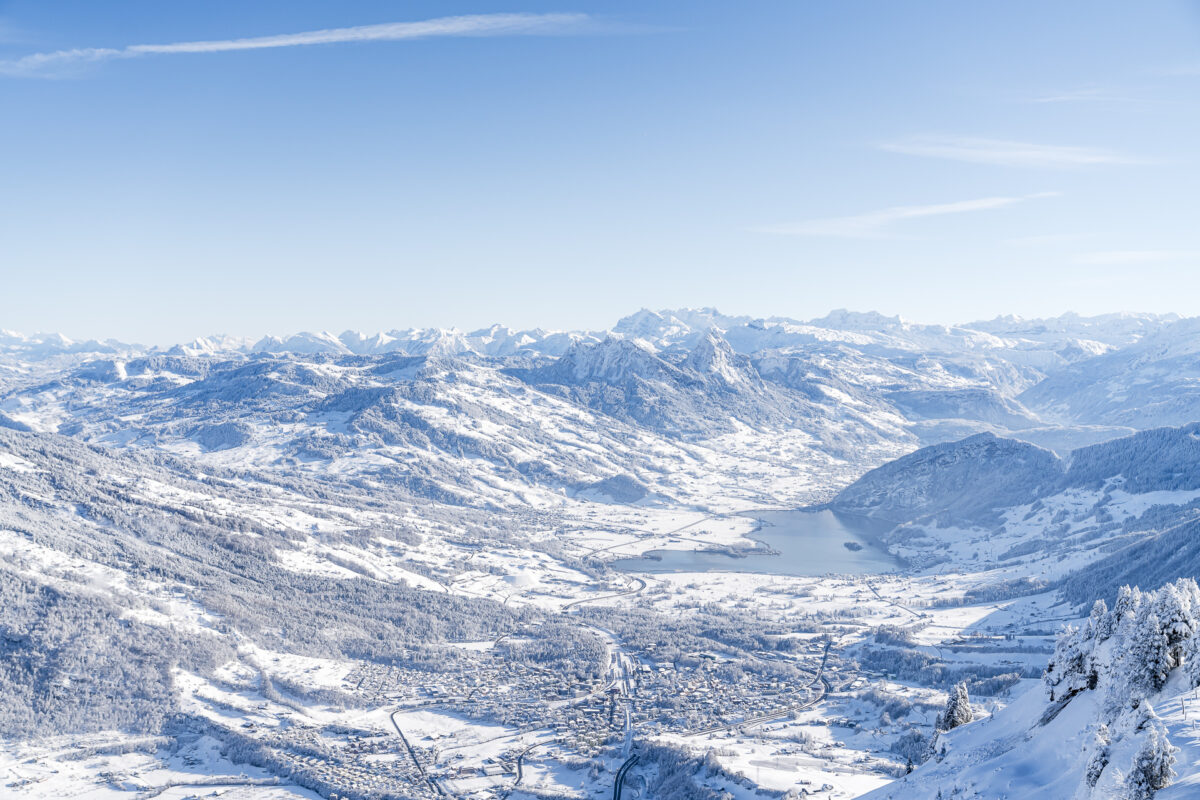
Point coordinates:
pixel 945 161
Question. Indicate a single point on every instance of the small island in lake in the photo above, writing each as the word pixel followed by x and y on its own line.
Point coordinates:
pixel 855 546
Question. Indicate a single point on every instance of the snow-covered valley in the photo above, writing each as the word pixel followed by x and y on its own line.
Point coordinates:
pixel 382 565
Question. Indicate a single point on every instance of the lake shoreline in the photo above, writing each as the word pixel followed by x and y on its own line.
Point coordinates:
pixel 798 543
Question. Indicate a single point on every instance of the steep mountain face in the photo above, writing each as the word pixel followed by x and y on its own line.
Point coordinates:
pixel 712 357
pixel 1155 548
pixel 615 361
pixel 1161 542
pixel 704 394
pixel 960 479
pixel 1126 511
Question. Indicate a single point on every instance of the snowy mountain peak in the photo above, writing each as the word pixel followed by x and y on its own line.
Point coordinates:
pixel 651 325
pixel 614 360
pixel 844 320
pixel 1179 338
pixel 677 327
pixel 305 342
pixel 358 342
pixel 1113 330
pixel 211 345
pixel 712 355
pixel 46 345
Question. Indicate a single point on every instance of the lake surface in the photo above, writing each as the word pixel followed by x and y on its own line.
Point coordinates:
pixel 808 543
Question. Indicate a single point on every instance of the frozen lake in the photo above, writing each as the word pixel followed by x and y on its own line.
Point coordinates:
pixel 808 543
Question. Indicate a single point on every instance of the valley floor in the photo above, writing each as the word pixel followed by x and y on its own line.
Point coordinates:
pixel 832 722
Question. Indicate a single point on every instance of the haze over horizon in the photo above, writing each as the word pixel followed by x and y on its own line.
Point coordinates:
pixel 205 166
pixel 254 338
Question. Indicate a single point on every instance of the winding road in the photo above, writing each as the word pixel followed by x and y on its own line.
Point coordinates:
pixel 520 769
pixel 621 773
pixel 641 588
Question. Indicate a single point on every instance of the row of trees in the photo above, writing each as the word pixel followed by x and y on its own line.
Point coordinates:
pixel 1128 653
pixel 1151 634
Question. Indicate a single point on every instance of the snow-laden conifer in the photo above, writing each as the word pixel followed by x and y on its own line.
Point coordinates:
pixel 958 709
pixel 1151 769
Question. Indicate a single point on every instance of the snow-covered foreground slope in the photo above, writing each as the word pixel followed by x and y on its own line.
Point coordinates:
pixel 1114 718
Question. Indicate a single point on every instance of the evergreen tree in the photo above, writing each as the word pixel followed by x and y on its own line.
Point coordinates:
pixel 1101 623
pixel 1190 654
pixel 1147 717
pixel 1128 600
pixel 1151 769
pixel 1150 656
pixel 1100 755
pixel 958 709
pixel 1070 669
pixel 1174 609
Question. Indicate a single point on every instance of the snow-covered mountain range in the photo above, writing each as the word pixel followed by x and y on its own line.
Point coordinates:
pixel 456 501
pixel 859 387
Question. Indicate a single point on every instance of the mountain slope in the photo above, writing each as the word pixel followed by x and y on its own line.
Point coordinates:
pixel 961 480
pixel 1151 383
pixel 1111 720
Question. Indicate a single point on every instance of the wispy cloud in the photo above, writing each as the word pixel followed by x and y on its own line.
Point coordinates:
pixel 1110 257
pixel 52 63
pixel 1007 153
pixel 875 223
